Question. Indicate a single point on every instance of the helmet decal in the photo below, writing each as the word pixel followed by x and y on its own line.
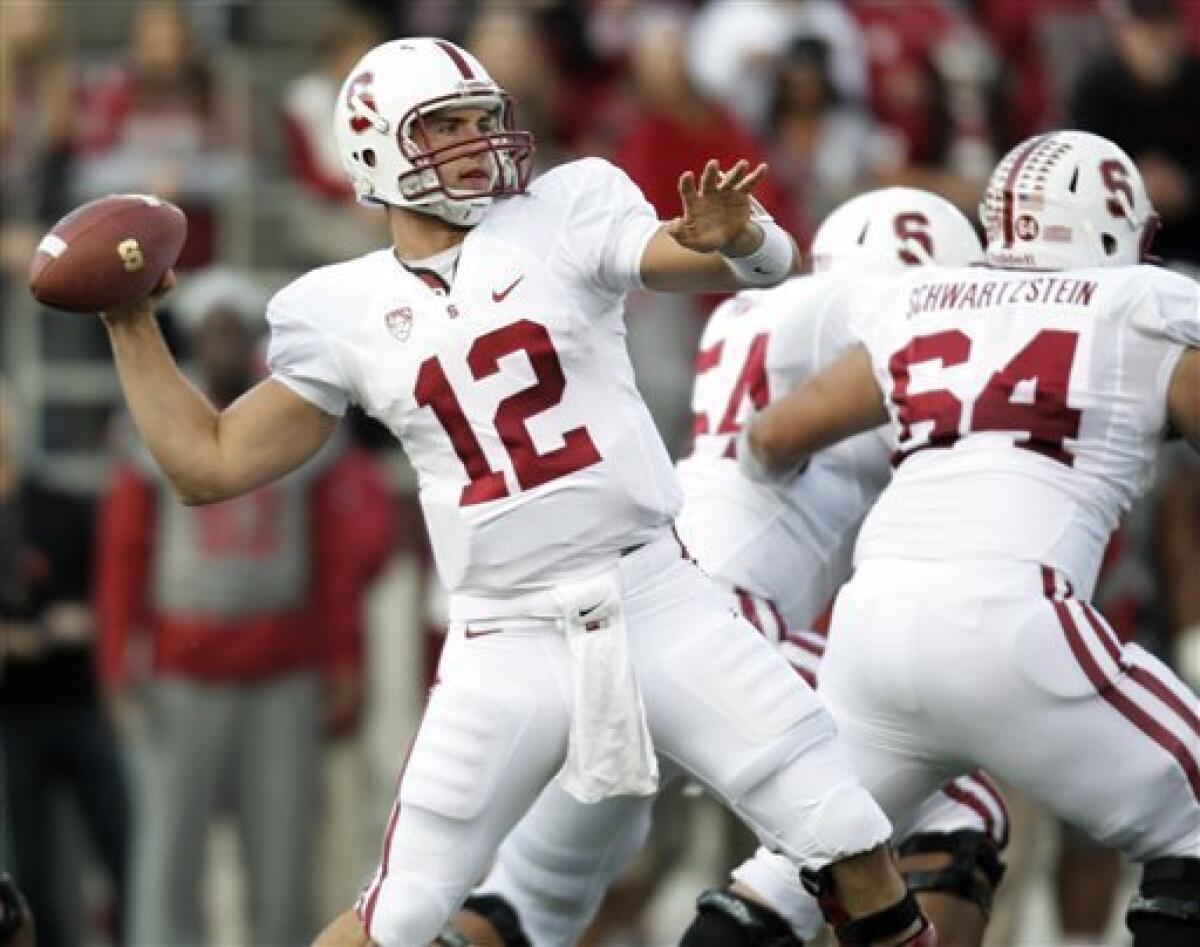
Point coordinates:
pixel 1066 199
pixel 891 229
pixel 358 94
pixel 464 67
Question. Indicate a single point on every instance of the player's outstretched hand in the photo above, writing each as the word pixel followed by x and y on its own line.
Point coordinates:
pixel 717 212
pixel 143 307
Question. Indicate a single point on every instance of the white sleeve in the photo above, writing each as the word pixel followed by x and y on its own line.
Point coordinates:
pixel 870 326
pixel 610 222
pixel 1170 309
pixel 301 357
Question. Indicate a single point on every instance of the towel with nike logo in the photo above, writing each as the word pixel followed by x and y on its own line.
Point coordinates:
pixel 609 750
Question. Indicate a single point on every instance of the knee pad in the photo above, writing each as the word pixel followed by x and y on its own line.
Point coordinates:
pixel 871 928
pixel 725 919
pixel 1166 910
pixel 972 853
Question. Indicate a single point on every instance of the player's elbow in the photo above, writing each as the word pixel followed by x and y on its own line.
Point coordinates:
pixel 771 443
pixel 199 486
pixel 196 495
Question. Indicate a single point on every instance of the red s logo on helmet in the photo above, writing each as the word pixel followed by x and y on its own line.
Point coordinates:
pixel 360 86
pixel 1115 176
pixel 913 226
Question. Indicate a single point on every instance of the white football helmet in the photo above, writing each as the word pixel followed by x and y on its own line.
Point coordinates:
pixel 1067 199
pixel 887 230
pixel 378 125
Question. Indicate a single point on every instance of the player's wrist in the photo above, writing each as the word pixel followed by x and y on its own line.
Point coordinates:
pixel 748 240
pixel 770 260
pixel 133 316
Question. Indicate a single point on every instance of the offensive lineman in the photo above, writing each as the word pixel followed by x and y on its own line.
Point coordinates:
pixel 781 554
pixel 490 341
pixel 1029 399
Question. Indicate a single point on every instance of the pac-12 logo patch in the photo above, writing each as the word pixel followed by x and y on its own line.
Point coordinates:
pixel 399 323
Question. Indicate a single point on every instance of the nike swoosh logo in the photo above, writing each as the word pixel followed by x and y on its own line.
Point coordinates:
pixel 481 632
pixel 499 297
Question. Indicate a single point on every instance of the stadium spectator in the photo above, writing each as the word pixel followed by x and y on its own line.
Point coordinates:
pixel 324 222
pixel 1143 96
pixel 673 127
pixel 1043 48
pixel 253 608
pixel 931 79
pixel 821 142
pixel 36 88
pixel 736 46
pixel 53 730
pixel 155 122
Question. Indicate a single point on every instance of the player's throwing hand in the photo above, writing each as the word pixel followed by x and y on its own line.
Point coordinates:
pixel 717 212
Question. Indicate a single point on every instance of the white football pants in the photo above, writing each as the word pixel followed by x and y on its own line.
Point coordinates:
pixel 934 669
pixel 720 701
pixel 556 865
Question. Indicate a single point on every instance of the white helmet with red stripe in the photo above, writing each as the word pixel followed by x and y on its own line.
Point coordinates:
pixel 1067 199
pixel 378 123
pixel 885 231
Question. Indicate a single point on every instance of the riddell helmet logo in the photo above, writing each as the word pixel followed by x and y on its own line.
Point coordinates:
pixel 399 323
pixel 1026 227
pixel 360 86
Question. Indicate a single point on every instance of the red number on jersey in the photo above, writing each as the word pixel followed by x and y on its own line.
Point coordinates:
pixel 1042 411
pixel 751 384
pixel 433 390
pixel 941 407
pixel 913 226
pixel 1045 365
pixel 531 467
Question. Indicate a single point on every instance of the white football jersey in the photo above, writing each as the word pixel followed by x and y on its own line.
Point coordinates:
pixel 1028 408
pixel 511 391
pixel 791 546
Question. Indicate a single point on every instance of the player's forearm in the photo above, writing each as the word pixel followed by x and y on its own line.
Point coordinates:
pixel 838 402
pixel 668 267
pixel 176 422
pixel 1183 397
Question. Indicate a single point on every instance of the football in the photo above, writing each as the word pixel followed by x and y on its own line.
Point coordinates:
pixel 110 252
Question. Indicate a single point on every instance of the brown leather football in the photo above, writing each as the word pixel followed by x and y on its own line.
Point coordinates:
pixel 110 252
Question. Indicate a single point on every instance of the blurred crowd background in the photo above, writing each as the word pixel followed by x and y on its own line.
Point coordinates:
pixel 203 710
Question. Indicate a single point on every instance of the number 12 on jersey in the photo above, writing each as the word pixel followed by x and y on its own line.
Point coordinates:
pixel 531 467
pixel 1039 409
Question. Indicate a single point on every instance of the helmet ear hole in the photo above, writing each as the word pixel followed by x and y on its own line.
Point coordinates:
pixel 368 157
pixel 1110 243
